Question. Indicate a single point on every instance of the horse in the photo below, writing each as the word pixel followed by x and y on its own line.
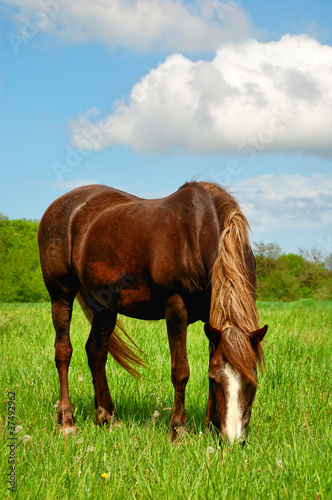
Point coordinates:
pixel 184 258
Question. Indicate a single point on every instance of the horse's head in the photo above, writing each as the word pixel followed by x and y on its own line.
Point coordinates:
pixel 233 378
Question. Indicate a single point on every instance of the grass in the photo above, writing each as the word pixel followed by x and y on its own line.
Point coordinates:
pixel 288 456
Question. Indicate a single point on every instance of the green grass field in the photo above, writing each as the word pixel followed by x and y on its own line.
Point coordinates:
pixel 288 455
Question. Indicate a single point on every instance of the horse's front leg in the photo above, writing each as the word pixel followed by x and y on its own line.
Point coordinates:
pixel 103 324
pixel 177 322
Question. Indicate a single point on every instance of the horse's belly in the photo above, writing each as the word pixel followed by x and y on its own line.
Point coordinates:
pixel 141 304
pixel 129 295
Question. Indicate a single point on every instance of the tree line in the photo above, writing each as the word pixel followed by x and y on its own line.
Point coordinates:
pixel 288 277
pixel 280 276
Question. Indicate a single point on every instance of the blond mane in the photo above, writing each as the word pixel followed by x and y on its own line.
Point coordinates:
pixel 233 295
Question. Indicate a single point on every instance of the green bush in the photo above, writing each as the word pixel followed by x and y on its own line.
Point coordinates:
pixel 288 277
pixel 20 273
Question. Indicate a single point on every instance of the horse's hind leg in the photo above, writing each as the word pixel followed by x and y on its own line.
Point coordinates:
pixel 61 314
pixel 177 322
pixel 103 324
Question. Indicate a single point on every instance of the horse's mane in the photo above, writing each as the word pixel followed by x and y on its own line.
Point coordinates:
pixel 233 295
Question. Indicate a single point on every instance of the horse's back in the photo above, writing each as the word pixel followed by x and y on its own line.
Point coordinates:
pixel 95 197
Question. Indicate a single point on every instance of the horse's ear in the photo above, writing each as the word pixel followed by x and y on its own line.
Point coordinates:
pixel 212 334
pixel 257 336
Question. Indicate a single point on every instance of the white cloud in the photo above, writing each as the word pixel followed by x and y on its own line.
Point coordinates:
pixel 252 97
pixel 138 24
pixel 286 202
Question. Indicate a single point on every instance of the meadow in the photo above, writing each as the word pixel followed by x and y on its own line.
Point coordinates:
pixel 288 454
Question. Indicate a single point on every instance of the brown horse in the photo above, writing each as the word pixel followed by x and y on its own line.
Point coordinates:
pixel 185 258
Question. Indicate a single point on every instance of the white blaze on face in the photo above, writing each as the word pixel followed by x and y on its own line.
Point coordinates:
pixel 233 410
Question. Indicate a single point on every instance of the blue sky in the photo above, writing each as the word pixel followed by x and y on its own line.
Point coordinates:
pixel 146 98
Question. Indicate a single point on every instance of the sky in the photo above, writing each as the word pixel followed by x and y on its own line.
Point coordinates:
pixel 144 95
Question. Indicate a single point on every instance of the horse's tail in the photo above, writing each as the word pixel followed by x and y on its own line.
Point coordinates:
pixel 233 292
pixel 118 348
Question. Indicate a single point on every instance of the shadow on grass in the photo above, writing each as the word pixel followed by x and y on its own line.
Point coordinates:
pixel 134 411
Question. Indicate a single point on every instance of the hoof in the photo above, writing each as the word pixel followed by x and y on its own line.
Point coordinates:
pixel 65 418
pixel 103 417
pixel 178 434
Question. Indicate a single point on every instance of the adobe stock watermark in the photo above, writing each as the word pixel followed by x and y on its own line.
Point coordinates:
pixel 92 139
pixel 12 439
pixel 223 7
pixel 252 146
pixel 110 293
pixel 39 21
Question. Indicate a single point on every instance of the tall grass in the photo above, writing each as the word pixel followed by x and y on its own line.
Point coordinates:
pixel 289 453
